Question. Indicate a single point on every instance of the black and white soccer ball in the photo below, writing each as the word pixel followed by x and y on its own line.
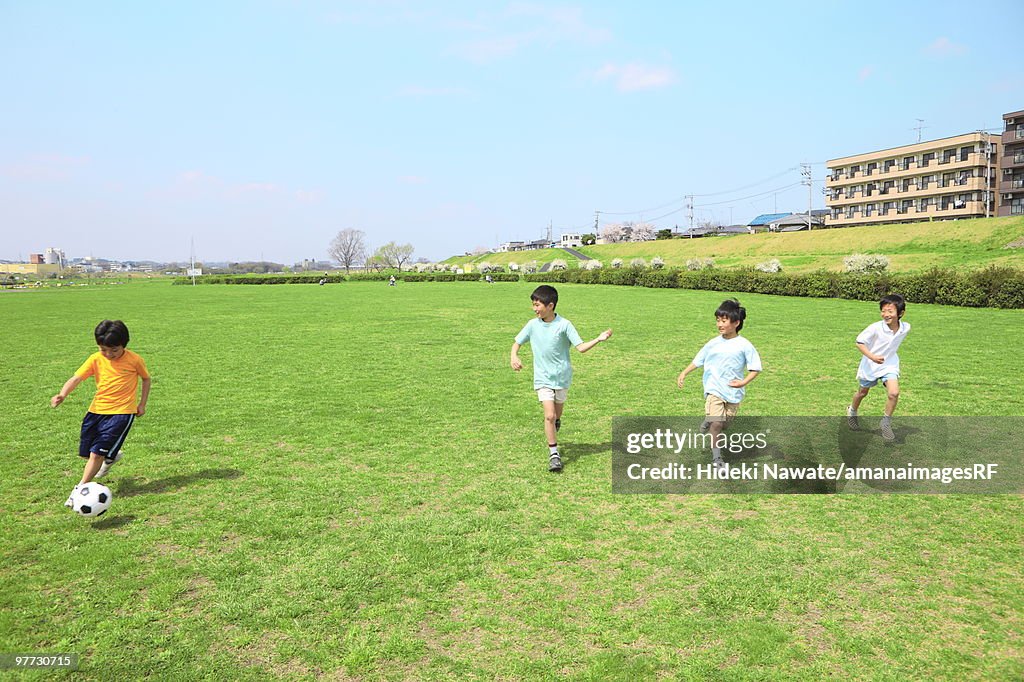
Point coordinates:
pixel 92 499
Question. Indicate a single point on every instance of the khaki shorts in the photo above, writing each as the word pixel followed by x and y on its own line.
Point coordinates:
pixel 556 394
pixel 718 410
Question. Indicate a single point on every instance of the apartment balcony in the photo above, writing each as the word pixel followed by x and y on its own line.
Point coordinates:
pixel 968 209
pixel 1014 160
pixel 1013 136
pixel 1012 185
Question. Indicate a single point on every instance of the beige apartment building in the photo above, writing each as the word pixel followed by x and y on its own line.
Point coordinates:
pixel 1011 165
pixel 946 179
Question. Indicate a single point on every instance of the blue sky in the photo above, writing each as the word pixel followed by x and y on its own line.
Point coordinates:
pixel 260 129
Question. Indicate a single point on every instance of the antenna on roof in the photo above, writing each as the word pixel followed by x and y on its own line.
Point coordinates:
pixel 920 126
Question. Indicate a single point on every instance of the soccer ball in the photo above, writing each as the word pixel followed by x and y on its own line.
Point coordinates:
pixel 92 499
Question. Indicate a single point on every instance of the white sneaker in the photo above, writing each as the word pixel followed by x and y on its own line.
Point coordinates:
pixel 886 427
pixel 70 502
pixel 106 465
pixel 852 420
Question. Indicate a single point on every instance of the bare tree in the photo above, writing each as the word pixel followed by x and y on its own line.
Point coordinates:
pixel 348 248
pixel 394 255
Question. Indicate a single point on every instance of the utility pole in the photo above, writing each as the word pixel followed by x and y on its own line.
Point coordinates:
pixel 986 144
pixel 597 221
pixel 689 205
pixel 805 171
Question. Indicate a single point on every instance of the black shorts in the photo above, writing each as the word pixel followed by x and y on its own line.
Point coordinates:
pixel 104 434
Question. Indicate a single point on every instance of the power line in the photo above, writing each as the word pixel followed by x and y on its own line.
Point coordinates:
pixel 710 194
pixel 752 196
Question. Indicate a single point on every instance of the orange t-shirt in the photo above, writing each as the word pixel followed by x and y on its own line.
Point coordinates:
pixel 116 382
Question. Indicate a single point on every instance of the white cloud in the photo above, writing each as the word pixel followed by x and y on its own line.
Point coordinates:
pixel 633 77
pixel 524 25
pixel 865 73
pixel 944 47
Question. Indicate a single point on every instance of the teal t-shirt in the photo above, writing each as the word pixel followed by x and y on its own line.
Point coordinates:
pixel 550 342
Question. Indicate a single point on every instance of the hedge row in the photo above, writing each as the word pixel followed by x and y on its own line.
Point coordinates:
pixel 357 277
pixel 993 287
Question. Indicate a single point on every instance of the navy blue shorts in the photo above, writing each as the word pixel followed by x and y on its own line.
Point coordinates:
pixel 104 434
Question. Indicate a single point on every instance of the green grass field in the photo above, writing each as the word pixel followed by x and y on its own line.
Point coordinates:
pixel 914 247
pixel 348 482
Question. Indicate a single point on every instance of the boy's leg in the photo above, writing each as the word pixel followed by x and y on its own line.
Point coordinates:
pixel 91 467
pixel 892 387
pixel 113 431
pixel 550 432
pixel 559 407
pixel 550 415
pixel 716 413
pixel 858 397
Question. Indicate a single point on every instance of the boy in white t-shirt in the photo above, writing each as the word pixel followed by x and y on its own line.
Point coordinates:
pixel 878 344
pixel 725 359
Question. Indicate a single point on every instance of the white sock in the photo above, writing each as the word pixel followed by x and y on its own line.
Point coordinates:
pixel 716 453
pixel 553 449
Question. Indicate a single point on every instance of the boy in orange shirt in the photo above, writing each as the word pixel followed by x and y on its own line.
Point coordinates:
pixel 114 408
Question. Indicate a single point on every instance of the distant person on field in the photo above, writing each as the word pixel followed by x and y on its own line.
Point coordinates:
pixel 114 406
pixel 550 336
pixel 391 281
pixel 878 344
pixel 489 279
pixel 730 362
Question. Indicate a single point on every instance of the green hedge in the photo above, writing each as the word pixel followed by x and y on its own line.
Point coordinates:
pixel 993 287
pixel 356 277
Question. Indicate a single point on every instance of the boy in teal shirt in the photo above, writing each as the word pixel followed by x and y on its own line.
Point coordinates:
pixel 550 336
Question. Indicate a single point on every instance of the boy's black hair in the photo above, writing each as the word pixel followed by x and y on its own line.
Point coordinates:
pixel 732 309
pixel 896 300
pixel 111 333
pixel 545 294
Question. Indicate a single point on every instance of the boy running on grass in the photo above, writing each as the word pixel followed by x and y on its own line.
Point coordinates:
pixel 878 344
pixel 550 335
pixel 724 358
pixel 114 408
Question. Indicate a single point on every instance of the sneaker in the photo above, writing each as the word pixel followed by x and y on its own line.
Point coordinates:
pixel 558 425
pixel 70 502
pixel 554 463
pixel 719 464
pixel 852 420
pixel 887 433
pixel 107 464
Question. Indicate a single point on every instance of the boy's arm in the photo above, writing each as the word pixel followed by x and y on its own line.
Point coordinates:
pixel 740 383
pixel 69 386
pixel 603 336
pixel 863 348
pixel 682 375
pixel 516 364
pixel 146 383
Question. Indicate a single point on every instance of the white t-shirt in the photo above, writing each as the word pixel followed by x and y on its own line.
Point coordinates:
pixel 881 340
pixel 724 360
